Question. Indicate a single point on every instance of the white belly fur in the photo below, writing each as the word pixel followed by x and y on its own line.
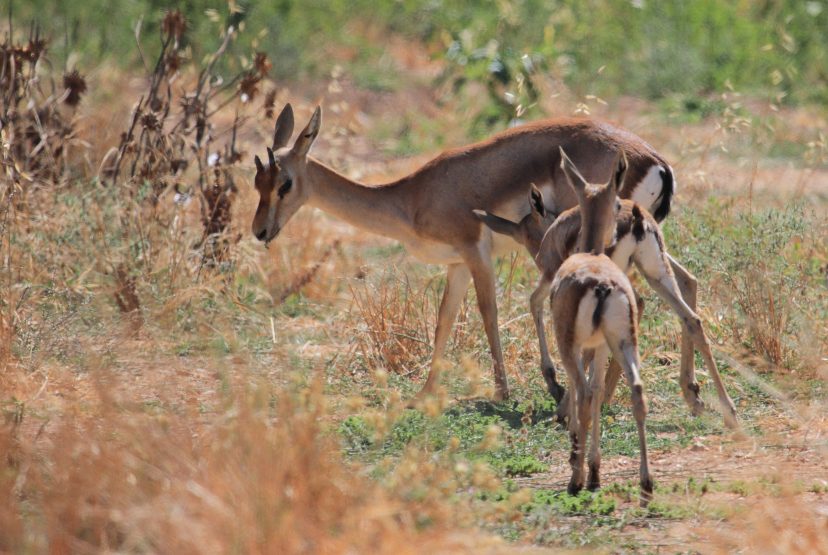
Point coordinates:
pixel 434 252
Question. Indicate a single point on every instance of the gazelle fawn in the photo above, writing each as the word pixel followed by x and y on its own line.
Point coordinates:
pixel 638 242
pixel 430 210
pixel 594 309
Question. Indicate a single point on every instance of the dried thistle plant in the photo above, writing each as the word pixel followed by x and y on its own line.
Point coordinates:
pixel 37 134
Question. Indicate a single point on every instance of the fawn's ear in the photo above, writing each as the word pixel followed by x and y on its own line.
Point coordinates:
pixel 576 180
pixel 284 127
pixel 536 200
pixel 621 166
pixel 308 135
pixel 498 224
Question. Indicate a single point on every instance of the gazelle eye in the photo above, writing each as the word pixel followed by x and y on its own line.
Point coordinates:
pixel 285 188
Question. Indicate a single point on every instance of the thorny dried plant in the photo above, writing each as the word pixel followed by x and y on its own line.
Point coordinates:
pixel 36 131
pixel 173 136
pixel 178 147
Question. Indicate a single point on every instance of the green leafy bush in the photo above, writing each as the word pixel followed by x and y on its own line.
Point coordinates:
pixel 600 47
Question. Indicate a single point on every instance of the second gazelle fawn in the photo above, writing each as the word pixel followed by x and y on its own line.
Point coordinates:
pixel 594 310
pixel 638 242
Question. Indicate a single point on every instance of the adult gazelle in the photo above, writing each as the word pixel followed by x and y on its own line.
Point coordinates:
pixel 430 210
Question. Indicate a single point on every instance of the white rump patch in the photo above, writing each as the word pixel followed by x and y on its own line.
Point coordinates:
pixel 648 190
pixel 615 316
pixel 586 336
pixel 617 313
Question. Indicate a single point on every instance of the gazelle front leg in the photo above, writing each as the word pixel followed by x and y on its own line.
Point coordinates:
pixel 539 296
pixel 667 289
pixel 482 272
pixel 457 283
pixel 688 285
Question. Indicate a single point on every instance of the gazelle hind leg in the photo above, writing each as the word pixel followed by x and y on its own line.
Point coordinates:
pixel 596 386
pixel 482 272
pixel 584 419
pixel 668 290
pixel 614 372
pixel 688 286
pixel 572 362
pixel 563 407
pixel 548 370
pixel 626 352
pixel 457 283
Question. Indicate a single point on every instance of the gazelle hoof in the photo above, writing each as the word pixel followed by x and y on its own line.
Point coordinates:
pixel 417 401
pixel 501 394
pixel 730 419
pixel 557 391
pixel 561 415
pixel 594 479
pixel 646 492
pixel 574 488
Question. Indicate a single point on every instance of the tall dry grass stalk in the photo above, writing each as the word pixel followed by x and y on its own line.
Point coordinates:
pixel 394 325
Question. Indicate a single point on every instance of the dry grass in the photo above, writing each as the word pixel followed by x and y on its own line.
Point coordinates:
pixel 258 476
pixel 395 329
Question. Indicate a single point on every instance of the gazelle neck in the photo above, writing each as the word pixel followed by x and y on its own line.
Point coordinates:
pixel 589 242
pixel 382 210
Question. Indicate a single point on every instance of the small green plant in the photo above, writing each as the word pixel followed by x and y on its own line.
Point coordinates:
pixel 509 76
pixel 356 434
pixel 522 466
pixel 585 503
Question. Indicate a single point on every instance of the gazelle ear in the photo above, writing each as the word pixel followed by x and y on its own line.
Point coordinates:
pixel 259 166
pixel 576 180
pixel 308 135
pixel 620 173
pixel 284 127
pixel 536 201
pixel 498 224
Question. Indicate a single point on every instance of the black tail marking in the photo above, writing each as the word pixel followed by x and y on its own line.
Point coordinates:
pixel 638 223
pixel 666 197
pixel 602 291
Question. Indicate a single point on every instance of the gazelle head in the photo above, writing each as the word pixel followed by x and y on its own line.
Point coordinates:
pixel 599 204
pixel 282 184
pixel 530 230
